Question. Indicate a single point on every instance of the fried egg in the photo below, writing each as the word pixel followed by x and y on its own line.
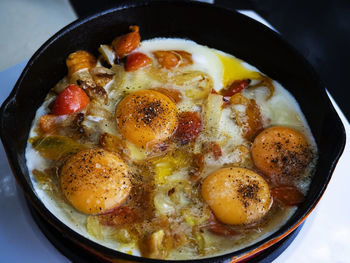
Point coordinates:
pixel 221 67
pixel 95 181
pixel 237 196
pixel 146 117
pixel 138 114
pixel 281 153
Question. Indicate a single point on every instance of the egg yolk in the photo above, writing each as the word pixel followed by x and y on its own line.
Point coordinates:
pixel 234 70
pixel 95 181
pixel 281 153
pixel 237 196
pixel 146 117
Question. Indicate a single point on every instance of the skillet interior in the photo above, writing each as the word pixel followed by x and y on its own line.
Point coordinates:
pixel 219 28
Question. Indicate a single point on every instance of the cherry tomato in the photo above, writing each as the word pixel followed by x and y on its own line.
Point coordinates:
pixel 136 60
pixel 189 127
pixel 288 195
pixel 235 87
pixel 70 100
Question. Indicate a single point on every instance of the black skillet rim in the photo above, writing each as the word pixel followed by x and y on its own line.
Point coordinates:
pixel 110 254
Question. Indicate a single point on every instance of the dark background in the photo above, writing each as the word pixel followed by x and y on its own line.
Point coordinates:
pixel 320 30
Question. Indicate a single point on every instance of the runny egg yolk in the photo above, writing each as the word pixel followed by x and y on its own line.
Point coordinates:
pixel 237 196
pixel 281 153
pixel 234 70
pixel 146 117
pixel 95 181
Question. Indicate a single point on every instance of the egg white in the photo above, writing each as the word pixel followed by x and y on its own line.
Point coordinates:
pixel 281 109
pixel 204 58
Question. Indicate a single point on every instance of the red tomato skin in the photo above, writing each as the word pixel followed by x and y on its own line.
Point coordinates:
pixel 136 60
pixel 288 195
pixel 70 100
pixel 189 127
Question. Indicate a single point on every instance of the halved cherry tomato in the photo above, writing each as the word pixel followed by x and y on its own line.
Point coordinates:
pixel 189 127
pixel 70 100
pixel 219 228
pixel 136 60
pixel 235 87
pixel 288 195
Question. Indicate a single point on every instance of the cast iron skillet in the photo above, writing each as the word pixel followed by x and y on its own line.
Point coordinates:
pixel 215 27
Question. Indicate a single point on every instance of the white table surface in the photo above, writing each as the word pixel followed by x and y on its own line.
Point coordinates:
pixel 324 238
pixel 26 24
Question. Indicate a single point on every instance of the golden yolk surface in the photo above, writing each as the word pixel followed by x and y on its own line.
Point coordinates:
pixel 237 196
pixel 281 153
pixel 146 117
pixel 95 181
